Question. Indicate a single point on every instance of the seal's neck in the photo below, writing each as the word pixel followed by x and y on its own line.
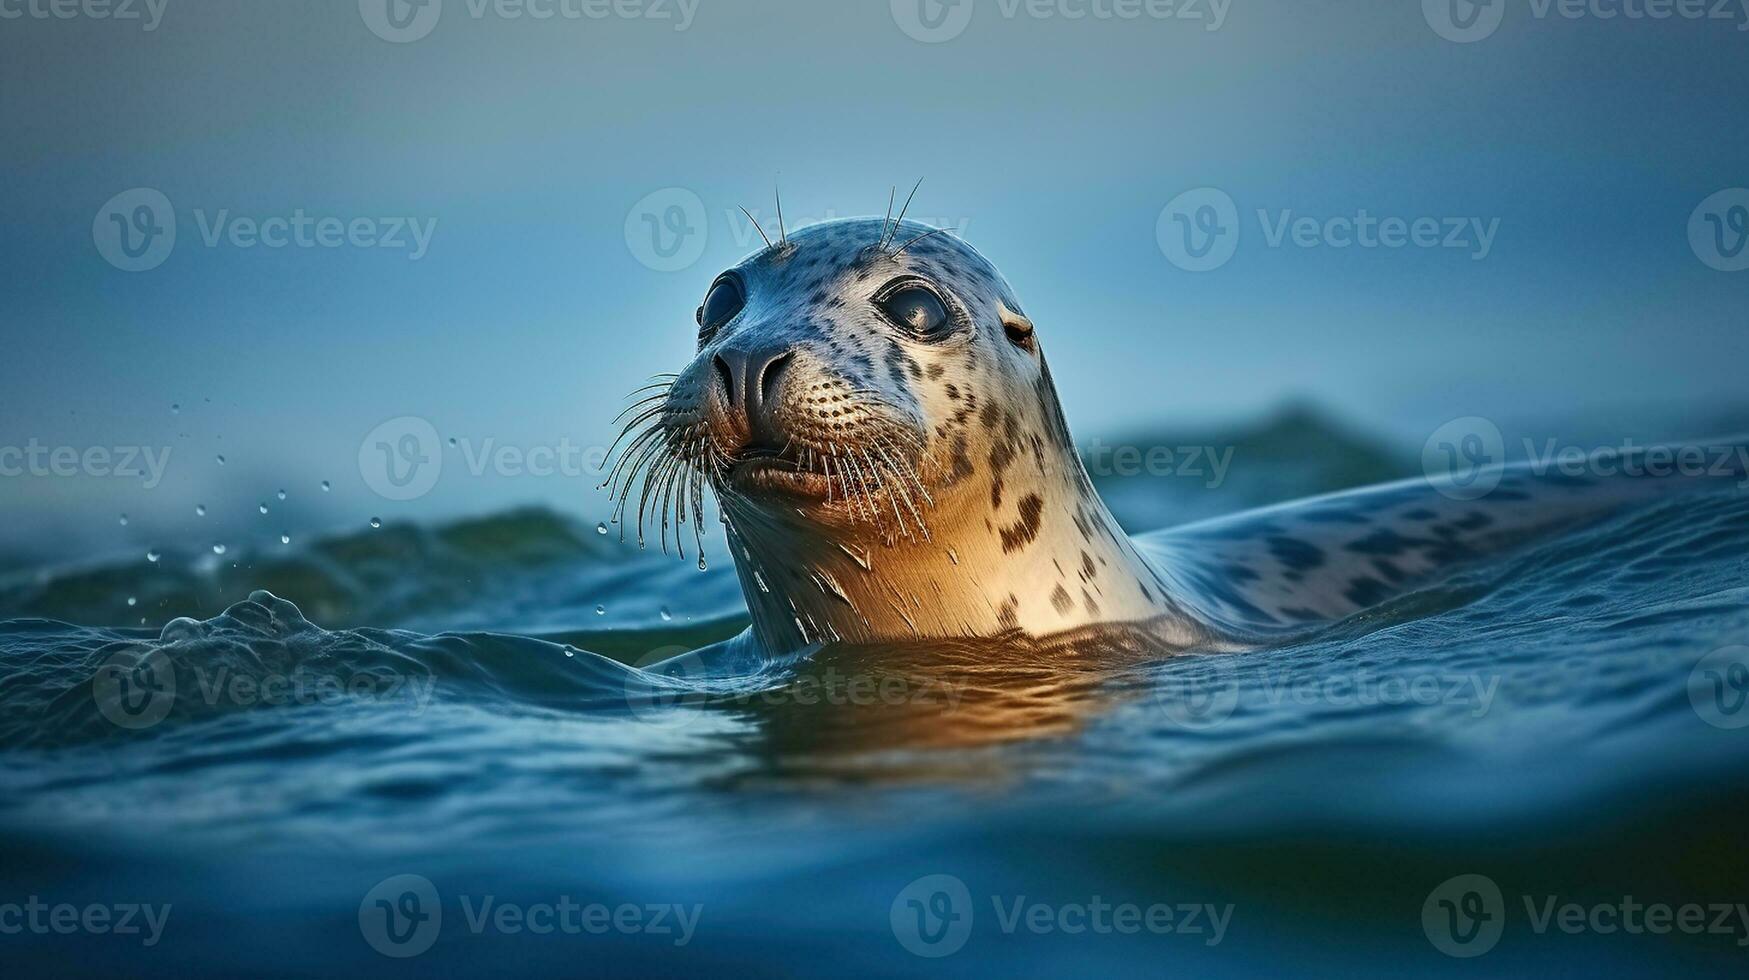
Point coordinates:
pixel 1041 555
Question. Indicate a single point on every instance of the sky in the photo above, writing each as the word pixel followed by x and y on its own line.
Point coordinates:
pixel 507 220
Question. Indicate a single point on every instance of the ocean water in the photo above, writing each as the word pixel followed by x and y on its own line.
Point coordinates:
pixel 424 749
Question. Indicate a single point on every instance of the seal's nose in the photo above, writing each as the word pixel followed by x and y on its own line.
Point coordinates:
pixel 749 383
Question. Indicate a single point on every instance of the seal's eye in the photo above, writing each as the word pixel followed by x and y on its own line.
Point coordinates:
pixel 720 306
pixel 916 308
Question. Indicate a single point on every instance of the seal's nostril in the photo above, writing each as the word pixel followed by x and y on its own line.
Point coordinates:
pixel 772 375
pixel 727 376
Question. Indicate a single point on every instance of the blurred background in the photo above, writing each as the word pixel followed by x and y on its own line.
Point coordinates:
pixel 339 300
pixel 496 219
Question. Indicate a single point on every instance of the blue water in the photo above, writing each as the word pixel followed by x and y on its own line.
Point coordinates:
pixel 455 703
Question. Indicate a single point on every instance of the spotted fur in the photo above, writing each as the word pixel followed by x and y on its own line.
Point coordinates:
pixel 954 503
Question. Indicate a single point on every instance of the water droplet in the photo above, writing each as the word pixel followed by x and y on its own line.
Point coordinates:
pixel 124 520
pixel 153 556
pixel 452 442
pixel 666 615
pixel 281 495
pixel 285 539
pixel 200 510
pixel 221 460
pixel 326 487
pixel 376 522
pixel 133 601
pixel 600 610
pixel 761 580
pixel 570 652
pixel 262 508
pixel 701 564
pixel 219 549
pixel 601 527
pixel 175 409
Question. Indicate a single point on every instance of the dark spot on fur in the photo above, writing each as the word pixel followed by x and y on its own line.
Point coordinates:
pixel 1024 531
pixel 1061 601
pixel 1294 554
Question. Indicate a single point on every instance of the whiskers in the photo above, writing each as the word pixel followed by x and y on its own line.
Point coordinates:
pixel 876 476
pixel 673 462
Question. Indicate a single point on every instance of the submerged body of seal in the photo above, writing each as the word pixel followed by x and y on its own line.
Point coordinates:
pixel 874 413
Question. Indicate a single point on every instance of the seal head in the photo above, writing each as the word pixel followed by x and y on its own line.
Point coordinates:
pixel 874 412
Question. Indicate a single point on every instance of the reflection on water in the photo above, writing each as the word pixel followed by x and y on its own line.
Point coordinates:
pixel 1566 721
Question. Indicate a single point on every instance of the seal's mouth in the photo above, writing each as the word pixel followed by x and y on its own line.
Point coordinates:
pixel 783 472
